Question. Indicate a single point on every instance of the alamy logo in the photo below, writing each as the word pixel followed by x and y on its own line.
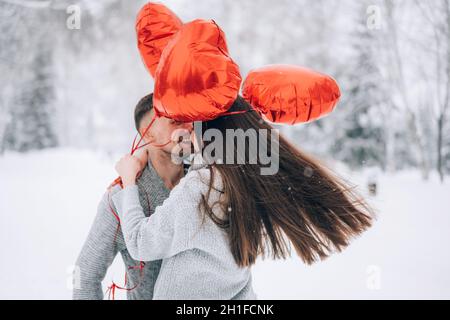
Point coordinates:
pixel 238 146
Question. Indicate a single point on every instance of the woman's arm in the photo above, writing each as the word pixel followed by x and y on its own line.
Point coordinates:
pixel 169 230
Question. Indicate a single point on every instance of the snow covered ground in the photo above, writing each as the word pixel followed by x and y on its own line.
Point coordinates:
pixel 48 200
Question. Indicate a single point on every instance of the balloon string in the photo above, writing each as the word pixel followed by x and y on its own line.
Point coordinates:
pixel 134 142
pixel 230 113
pixel 112 288
pixel 111 291
pixel 136 146
pixel 115 215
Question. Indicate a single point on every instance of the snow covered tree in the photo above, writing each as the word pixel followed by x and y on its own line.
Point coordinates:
pixel 31 125
pixel 30 105
pixel 361 140
pixel 437 19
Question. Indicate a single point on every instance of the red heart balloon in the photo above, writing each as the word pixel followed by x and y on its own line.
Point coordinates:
pixel 155 27
pixel 196 79
pixel 290 94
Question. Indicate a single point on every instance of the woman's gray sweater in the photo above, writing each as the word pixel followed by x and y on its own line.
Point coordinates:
pixel 197 262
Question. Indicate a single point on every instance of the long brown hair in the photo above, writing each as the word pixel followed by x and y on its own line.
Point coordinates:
pixel 304 204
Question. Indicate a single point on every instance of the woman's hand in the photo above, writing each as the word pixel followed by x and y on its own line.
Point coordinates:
pixel 128 167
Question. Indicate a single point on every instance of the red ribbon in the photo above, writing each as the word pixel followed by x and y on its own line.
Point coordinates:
pixel 111 291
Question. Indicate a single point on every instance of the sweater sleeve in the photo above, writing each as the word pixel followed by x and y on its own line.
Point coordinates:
pixel 169 230
pixel 97 254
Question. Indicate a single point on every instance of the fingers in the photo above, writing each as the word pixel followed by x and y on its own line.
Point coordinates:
pixel 130 161
pixel 142 156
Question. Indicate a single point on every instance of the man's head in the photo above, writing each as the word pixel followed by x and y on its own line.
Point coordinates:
pixel 163 129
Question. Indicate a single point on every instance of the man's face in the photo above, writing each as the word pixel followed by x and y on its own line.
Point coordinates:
pixel 165 130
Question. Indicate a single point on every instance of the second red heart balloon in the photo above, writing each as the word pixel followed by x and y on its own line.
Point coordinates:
pixel 290 94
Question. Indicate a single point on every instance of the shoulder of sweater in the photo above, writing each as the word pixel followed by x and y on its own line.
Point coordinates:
pixel 106 209
pixel 111 191
pixel 189 191
pixel 201 178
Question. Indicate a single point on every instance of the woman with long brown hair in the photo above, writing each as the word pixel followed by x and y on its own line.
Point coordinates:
pixel 304 202
pixel 224 214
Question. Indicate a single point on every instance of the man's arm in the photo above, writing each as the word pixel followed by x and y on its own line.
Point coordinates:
pixel 98 253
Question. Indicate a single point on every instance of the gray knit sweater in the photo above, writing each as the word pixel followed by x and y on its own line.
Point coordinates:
pixel 197 262
pixel 105 241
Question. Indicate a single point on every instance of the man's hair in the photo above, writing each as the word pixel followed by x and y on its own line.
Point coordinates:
pixel 144 105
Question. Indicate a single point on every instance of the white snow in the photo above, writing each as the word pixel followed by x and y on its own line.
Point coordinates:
pixel 48 201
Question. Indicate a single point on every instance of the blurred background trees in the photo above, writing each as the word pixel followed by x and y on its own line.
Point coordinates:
pixel 78 87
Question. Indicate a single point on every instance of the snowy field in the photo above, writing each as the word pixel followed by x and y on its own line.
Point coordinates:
pixel 48 201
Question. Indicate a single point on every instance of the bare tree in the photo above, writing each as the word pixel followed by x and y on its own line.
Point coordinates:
pixel 437 16
pixel 398 81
